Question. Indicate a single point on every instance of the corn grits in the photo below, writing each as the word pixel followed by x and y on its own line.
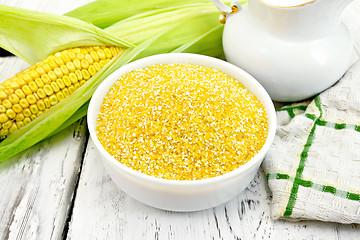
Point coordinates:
pixel 181 122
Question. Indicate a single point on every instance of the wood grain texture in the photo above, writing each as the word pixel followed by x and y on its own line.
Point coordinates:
pixel 37 187
pixel 102 211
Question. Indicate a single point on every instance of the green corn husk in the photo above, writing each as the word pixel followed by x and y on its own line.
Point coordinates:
pixel 103 13
pixel 178 27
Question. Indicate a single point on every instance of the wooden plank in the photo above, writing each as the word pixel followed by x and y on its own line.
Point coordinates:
pixel 102 211
pixel 37 186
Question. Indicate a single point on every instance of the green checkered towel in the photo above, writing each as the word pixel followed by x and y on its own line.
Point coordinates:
pixel 313 166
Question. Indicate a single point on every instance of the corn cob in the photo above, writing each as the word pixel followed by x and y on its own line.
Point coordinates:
pixel 31 92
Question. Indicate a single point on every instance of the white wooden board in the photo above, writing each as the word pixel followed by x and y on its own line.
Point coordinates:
pixel 39 192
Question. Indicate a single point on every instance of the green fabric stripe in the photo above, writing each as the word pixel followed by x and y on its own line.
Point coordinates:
pixel 303 157
pixel 353 196
pixel 311 116
pixel 317 187
pixel 357 128
pixel 291 113
pixel 277 176
pixel 337 126
pixel 290 110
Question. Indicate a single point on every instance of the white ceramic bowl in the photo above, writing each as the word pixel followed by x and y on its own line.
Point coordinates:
pixel 181 195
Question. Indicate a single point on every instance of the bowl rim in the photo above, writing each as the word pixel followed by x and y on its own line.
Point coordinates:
pixel 103 89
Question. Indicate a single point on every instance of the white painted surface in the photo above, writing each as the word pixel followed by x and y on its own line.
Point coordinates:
pixel 37 187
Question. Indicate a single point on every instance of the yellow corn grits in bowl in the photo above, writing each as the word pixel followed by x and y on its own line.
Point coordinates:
pixel 181 122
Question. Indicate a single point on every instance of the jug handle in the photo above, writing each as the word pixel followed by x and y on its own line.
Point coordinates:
pixel 226 10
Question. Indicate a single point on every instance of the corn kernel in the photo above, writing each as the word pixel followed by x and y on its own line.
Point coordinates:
pixel 27 78
pixel 65 91
pixel 34 74
pixel 60 83
pixel 55 87
pixel 31 99
pixel 92 70
pixel 3 117
pixel 73 78
pixel 71 89
pixel 60 96
pixel 97 66
pixel 10 113
pixel 58 61
pixel 79 75
pixel 67 81
pixel 64 70
pixel 6 103
pixel 2 109
pixel 33 86
pixel 58 73
pixel 4 132
pixel 47 102
pixel 47 67
pixel 71 67
pixel 84 64
pixel 14 98
pixel 7 124
pixel 89 49
pixel 77 85
pixel 83 50
pixel 3 95
pixel 94 56
pixel 52 63
pixel 53 100
pixel 33 117
pixel 17 108
pixel 65 57
pixel 26 89
pixel 48 90
pixel 27 120
pixel 23 103
pixel 39 113
pixel 20 124
pixel 41 105
pixel 41 93
pixel 7 83
pixel 77 64
pixel 85 74
pixel 34 109
pixel 19 93
pixel 113 51
pixel 107 53
pixel 13 128
pixel 101 54
pixel 72 56
pixel 102 63
pixel 89 59
pixel 20 81
pixel 39 82
pixel 14 85
pixel 40 72
pixel 52 76
pixel 19 117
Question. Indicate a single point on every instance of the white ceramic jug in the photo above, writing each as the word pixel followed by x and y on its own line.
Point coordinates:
pixel 294 48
